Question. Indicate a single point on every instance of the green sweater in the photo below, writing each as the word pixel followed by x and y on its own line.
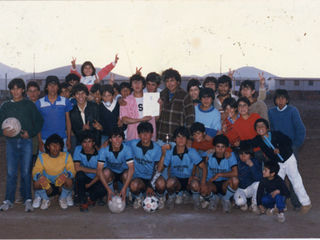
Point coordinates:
pixel 26 112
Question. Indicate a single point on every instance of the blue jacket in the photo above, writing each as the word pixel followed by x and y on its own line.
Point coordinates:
pixel 249 175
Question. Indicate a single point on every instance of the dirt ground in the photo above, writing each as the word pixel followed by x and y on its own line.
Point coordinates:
pixel 182 221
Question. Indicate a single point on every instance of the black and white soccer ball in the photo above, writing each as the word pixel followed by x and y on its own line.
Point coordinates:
pixel 116 205
pixel 150 204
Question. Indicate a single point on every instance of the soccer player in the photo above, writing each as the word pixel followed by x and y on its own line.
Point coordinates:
pixel 53 174
pixel 146 155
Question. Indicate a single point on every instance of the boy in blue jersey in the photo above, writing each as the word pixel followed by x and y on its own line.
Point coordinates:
pixel 115 164
pixel 250 173
pixel 85 160
pixel 182 162
pixel 222 176
pixel 146 155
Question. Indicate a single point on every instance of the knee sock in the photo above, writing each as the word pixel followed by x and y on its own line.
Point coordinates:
pixel 195 195
pixel 230 192
pixel 211 196
pixel 172 195
pixel 42 193
pixel 158 195
pixel 65 192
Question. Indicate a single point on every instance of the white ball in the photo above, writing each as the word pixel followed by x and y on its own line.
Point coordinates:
pixel 116 205
pixel 150 204
pixel 12 123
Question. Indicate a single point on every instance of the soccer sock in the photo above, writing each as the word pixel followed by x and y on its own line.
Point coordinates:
pixel 172 195
pixel 211 196
pixel 180 193
pixel 65 192
pixel 195 195
pixel 158 195
pixel 230 192
pixel 137 196
pixel 43 194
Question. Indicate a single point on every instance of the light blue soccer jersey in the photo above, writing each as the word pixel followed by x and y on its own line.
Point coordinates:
pixel 116 161
pixel 182 168
pixel 81 157
pixel 144 163
pixel 224 166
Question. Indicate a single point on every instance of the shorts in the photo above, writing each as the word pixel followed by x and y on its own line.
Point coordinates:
pixel 183 183
pixel 55 190
pixel 218 185
pixel 117 176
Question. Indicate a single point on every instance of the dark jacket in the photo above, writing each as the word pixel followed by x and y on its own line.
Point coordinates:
pixel 109 119
pixel 248 175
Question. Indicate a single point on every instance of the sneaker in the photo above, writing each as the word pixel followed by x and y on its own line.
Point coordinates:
pixel 63 203
pixel 70 201
pixel 205 204
pixel 305 209
pixel 213 203
pixel 178 200
pixel 6 205
pixel 84 207
pixel 161 202
pixel 76 200
pixel 36 202
pixel 186 198
pixel 101 202
pixel 281 217
pixel 29 207
pixel 137 203
pixel 170 202
pixel 272 211
pixel 45 204
pixel 226 206
pixel 297 208
pixel 197 204
pixel 19 200
pixel 255 209
pixel 244 208
pixel 90 203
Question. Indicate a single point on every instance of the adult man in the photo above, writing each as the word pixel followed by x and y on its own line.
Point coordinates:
pixel 146 154
pixel 177 108
pixel 55 111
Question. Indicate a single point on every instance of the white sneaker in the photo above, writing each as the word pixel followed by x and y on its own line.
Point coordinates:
pixel 29 207
pixel 137 203
pixel 272 211
pixel 6 205
pixel 178 199
pixel 161 202
pixel 226 206
pixel 186 198
pixel 244 208
pixel 205 204
pixel 281 217
pixel 63 203
pixel 36 202
pixel 255 209
pixel 70 201
pixel 45 204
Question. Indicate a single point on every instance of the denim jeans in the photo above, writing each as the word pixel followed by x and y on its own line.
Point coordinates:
pixel 19 152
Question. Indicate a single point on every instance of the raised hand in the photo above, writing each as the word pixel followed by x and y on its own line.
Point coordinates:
pixel 111 79
pixel 262 80
pixel 138 71
pixel 230 74
pixel 97 125
pixel 73 62
pixel 86 126
pixel 116 58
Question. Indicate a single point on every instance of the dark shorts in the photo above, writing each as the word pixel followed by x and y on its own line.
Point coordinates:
pixel 218 185
pixel 117 176
pixel 183 183
pixel 55 190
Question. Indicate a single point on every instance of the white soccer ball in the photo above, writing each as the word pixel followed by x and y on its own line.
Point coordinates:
pixel 150 204
pixel 12 123
pixel 116 205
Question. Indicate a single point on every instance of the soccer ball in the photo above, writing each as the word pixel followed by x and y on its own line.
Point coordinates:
pixel 12 123
pixel 150 204
pixel 116 205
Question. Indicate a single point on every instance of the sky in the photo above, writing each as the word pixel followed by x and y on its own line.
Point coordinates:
pixel 194 37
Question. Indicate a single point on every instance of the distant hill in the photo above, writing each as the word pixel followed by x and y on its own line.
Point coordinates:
pixel 11 72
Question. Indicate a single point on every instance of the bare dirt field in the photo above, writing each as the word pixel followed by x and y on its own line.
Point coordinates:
pixel 182 221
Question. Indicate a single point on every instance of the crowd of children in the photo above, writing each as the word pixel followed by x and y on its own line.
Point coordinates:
pixel 206 144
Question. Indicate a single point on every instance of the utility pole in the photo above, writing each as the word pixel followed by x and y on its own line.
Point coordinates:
pixel 34 67
pixel 220 65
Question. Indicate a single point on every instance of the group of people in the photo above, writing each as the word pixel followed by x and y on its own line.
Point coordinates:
pixel 85 140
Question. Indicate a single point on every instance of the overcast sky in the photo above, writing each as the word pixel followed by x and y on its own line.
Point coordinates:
pixel 281 37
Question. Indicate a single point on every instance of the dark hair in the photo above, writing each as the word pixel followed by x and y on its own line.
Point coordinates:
pixel 116 131
pixel 220 139
pixel 90 64
pixel 56 80
pixel 116 86
pixel 210 79
pixel 65 85
pixel 145 127
pixel 206 92
pixel 87 134
pixel 106 88
pixel 54 138
pixel 17 82
pixel 247 83
pixel 153 77
pixel 171 73
pixel 229 102
pixel 244 99
pixel 124 85
pixel 183 131
pixel 137 77
pixel 273 166
pixel 95 88
pixel 259 121
pixel 78 88
pixel 193 82
pixel 247 149
pixel 281 93
pixel 225 79
pixel 33 84
pixel 197 126
pixel 72 76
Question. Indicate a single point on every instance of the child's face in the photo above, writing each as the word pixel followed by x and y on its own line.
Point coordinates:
pixel 281 102
pixel 152 86
pixel 230 112
pixel 65 93
pixel 97 97
pixel 52 89
pixel 244 157
pixel 243 108
pixel 125 92
pixel 88 145
pixel 206 102
pixel 247 92
pixel 198 136
pixel 54 149
pixel 17 93
pixel 80 97
pixel 137 86
pixel 87 70
pixel 261 129
pixel 33 94
pixel 180 140
pixel 116 141
pixel 107 97
pixel 211 85
pixel 145 138
pixel 194 92
pixel 266 173
pixel 220 149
